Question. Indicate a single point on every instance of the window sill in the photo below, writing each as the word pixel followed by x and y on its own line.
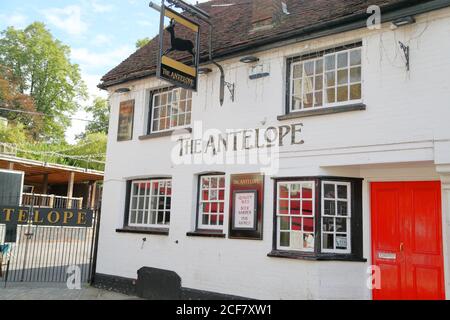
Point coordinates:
pixel 324 111
pixel 156 231
pixel 207 234
pixel 313 257
pixel 164 134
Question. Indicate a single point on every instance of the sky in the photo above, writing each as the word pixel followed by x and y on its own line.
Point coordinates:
pixel 101 34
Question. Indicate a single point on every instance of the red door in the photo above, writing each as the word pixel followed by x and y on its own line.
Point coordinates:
pixel 407 240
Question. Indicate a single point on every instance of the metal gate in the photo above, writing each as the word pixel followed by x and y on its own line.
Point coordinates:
pixel 45 253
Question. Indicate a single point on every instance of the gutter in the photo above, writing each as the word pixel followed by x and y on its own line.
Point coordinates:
pixel 340 25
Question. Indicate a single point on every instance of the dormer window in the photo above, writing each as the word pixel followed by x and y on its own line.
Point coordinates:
pixel 325 79
pixel 170 109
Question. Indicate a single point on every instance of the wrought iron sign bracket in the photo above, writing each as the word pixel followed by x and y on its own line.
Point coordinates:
pixel 405 50
pixel 204 16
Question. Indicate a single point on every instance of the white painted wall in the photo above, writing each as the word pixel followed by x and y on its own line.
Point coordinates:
pixel 401 136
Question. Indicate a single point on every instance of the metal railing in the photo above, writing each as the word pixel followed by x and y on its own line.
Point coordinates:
pixel 51 201
pixel 8 149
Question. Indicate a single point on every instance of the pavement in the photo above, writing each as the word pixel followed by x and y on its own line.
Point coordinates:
pixel 50 291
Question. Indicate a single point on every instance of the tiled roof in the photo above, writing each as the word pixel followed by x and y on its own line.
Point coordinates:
pixel 233 29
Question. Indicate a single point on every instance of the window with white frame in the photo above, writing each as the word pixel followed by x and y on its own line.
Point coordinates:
pixel 336 215
pixel 150 203
pixel 211 205
pixel 295 215
pixel 319 217
pixel 325 79
pixel 170 109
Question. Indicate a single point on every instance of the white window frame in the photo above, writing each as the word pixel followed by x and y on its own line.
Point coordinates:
pixel 324 84
pixel 148 205
pixel 313 216
pixel 348 217
pixel 200 224
pixel 169 116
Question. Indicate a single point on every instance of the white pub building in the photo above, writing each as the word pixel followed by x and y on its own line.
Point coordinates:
pixel 323 174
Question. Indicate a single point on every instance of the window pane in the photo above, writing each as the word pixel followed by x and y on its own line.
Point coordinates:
pixel 342 60
pixel 308 100
pixel 355 92
pixel 318 99
pixel 295 191
pixel 330 63
pixel 284 207
pixel 296 224
pixel 222 182
pixel 205 219
pixel 329 208
pixel 342 77
pixel 319 66
pixel 284 191
pixel 308 241
pixel 284 239
pixel 133 216
pixel 355 74
pixel 329 191
pixel 342 191
pixel 342 94
pixel 296 240
pixel 330 96
pixel 341 241
pixel 285 223
pixel 318 85
pixel 307 192
pixel 308 224
pixel 298 71
pixel 297 87
pixel 341 224
pixel 295 207
pixel 309 85
pixel 307 209
pixel 328 241
pixel 328 224
pixel 355 57
pixel 309 68
pixel 330 79
pixel 342 208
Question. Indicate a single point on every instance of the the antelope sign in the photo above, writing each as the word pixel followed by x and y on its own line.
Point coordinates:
pixel 46 216
pixel 178 61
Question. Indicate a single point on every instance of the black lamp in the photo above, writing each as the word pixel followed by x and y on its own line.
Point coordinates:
pixel 204 70
pixel 123 90
pixel 404 21
pixel 249 59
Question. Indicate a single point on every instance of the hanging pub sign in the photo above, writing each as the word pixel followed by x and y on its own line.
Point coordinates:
pixel 13 215
pixel 179 47
pixel 246 207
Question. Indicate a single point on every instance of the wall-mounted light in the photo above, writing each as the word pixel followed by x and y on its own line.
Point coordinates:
pixel 204 70
pixel 249 59
pixel 403 21
pixel 123 90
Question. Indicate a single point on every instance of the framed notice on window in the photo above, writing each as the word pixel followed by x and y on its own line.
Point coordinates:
pixel 246 206
pixel 245 214
pixel 126 116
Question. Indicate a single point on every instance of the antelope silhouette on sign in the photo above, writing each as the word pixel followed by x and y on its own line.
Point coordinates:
pixel 178 44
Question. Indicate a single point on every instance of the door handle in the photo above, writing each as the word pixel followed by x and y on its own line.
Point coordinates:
pixel 402 245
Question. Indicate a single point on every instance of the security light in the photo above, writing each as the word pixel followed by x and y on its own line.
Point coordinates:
pixel 123 90
pixel 249 59
pixel 404 21
pixel 204 70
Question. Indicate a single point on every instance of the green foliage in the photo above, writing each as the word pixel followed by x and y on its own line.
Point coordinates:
pixel 100 114
pixel 142 42
pixel 42 69
pixel 13 134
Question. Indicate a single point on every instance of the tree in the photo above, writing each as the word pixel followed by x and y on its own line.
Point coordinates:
pixel 91 150
pixel 142 42
pixel 43 70
pixel 23 105
pixel 100 113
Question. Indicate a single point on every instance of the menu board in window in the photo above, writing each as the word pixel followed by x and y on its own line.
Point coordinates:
pixel 126 115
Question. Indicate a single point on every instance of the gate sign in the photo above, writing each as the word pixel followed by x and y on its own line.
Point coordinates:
pixel 184 38
pixel 46 216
